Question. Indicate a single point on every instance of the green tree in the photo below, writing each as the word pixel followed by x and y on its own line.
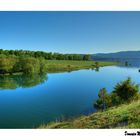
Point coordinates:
pixel 87 57
pixel 30 65
pixel 70 57
pixel 6 65
pixel 43 65
pixel 126 63
pixel 102 102
pixel 96 64
pixel 113 100
pixel 126 90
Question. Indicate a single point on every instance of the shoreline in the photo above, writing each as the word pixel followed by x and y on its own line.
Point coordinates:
pixel 115 117
pixel 56 66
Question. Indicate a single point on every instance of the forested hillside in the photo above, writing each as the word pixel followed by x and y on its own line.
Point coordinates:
pixel 117 56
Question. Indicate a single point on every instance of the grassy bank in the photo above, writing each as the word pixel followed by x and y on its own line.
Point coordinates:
pixel 124 116
pixel 69 65
pixel 64 65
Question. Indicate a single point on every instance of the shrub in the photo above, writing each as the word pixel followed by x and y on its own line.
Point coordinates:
pixel 102 102
pixel 126 90
pixel 96 64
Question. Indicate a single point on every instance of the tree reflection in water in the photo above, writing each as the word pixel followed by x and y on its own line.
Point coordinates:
pixel 24 81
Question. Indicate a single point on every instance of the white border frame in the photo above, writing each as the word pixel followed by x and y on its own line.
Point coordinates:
pixel 68 5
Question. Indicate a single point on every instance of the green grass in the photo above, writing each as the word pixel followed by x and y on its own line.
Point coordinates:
pixel 124 116
pixel 69 65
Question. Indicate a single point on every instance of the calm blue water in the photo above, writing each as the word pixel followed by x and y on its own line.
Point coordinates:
pixel 29 102
pixel 132 62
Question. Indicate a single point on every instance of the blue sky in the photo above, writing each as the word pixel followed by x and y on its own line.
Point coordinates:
pixel 70 32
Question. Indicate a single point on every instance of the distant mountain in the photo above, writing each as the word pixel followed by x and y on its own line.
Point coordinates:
pixel 117 56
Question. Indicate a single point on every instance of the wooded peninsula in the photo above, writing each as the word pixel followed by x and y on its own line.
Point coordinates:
pixel 37 62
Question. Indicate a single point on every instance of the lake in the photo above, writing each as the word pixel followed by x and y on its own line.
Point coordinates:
pixel 27 102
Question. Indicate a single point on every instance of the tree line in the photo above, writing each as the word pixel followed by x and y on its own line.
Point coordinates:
pixel 46 55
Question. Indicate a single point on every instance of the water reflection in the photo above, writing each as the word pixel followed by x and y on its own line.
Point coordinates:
pixel 97 69
pixel 24 81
